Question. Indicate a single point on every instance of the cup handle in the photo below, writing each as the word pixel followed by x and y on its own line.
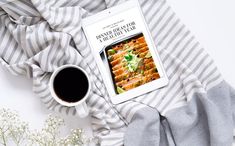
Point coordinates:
pixel 82 110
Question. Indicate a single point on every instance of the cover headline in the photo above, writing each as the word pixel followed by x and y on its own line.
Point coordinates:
pixel 116 32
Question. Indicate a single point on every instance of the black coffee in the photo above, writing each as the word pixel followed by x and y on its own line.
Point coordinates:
pixel 70 84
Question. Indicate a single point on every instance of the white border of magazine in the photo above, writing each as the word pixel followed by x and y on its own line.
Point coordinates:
pixel 145 88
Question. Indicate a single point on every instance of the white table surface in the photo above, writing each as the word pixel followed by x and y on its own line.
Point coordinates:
pixel 212 22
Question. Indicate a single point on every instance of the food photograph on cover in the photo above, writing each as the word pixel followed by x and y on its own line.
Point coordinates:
pixel 129 63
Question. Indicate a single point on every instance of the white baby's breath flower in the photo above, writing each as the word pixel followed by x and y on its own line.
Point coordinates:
pixel 14 129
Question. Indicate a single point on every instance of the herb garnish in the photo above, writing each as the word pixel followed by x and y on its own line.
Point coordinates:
pixel 132 61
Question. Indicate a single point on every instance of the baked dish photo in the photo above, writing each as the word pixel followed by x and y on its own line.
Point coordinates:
pixel 130 63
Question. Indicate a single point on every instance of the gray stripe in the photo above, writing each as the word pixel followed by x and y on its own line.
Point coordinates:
pixel 52 47
pixel 21 9
pixel 95 102
pixel 87 4
pixel 123 105
pixel 40 59
pixel 175 47
pixel 54 52
pixel 53 22
pixel 23 68
pixel 41 90
pixel 185 46
pixel 21 55
pixel 156 9
pixel 31 49
pixel 74 111
pixel 52 4
pixel 209 74
pixel 45 96
pixel 148 7
pixel 111 3
pixel 94 94
pixel 61 19
pixel 90 61
pixel 164 25
pixel 75 59
pixel 67 110
pixel 76 3
pixel 156 93
pixel 43 10
pixel 70 20
pixel 111 126
pixel 161 17
pixel 54 104
pixel 15 71
pixel 6 47
pixel 19 71
pixel 213 80
pixel 143 4
pixel 169 31
pixel 204 68
pixel 29 6
pixel 61 57
pixel 173 37
pixel 38 71
pixel 86 53
pixel 4 31
pixel 18 34
pixel 37 40
pixel 183 60
pixel 64 4
pixel 35 85
pixel 77 24
pixel 190 52
pixel 67 3
pixel 107 3
pixel 37 4
pixel 13 52
pixel 45 30
pixel 80 41
pixel 189 82
pixel 115 2
pixel 131 108
pixel 196 56
pixel 49 102
pixel 113 110
pixel 48 54
pixel 68 57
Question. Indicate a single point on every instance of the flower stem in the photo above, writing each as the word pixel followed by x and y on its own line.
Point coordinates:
pixel 4 140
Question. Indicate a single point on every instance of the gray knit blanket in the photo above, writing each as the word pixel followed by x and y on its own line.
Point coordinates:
pixel 196 108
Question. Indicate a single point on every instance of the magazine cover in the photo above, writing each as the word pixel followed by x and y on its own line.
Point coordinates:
pixel 124 51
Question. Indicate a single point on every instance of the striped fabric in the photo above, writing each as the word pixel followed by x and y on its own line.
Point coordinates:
pixel 37 36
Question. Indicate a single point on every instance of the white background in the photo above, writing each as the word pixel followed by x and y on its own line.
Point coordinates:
pixel 212 22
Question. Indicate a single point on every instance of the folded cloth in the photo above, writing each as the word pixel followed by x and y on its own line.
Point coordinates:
pixel 37 36
pixel 205 121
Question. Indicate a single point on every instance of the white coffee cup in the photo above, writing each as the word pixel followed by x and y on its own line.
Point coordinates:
pixel 80 105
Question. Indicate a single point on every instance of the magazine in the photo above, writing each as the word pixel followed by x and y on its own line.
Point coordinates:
pixel 124 51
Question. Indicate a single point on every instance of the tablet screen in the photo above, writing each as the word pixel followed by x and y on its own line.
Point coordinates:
pixel 124 51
